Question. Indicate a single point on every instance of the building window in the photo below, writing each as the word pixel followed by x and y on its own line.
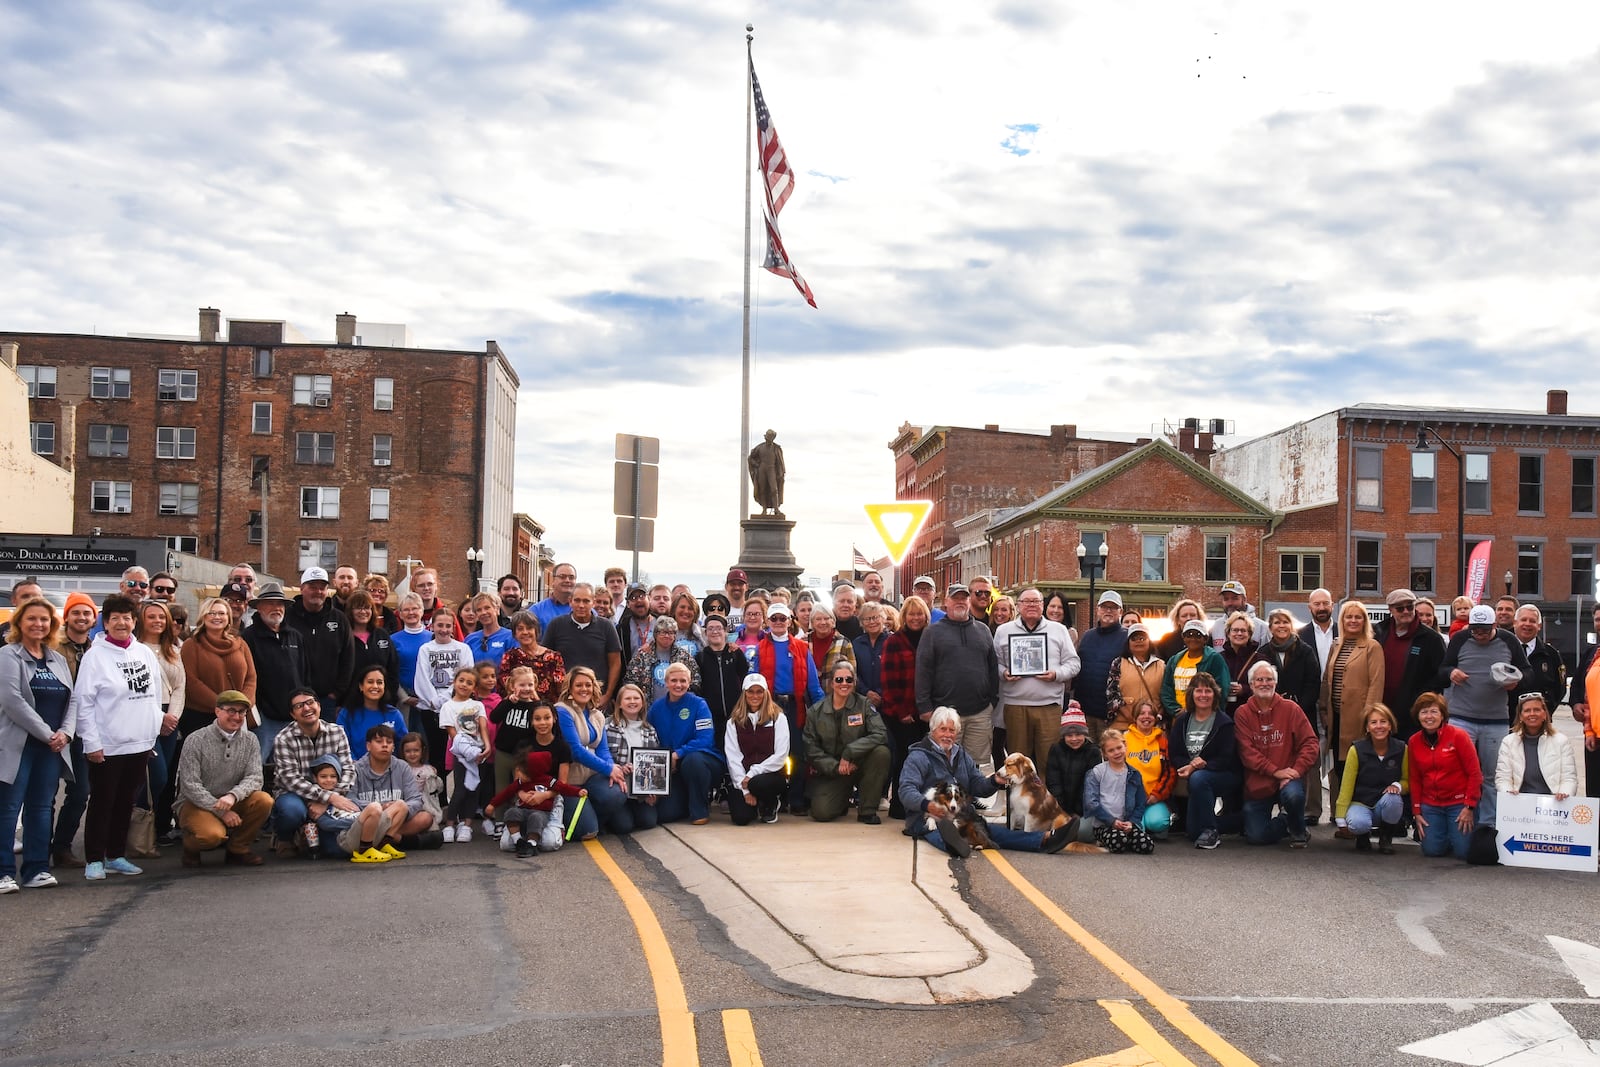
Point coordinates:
pixel 314 553
pixel 1530 484
pixel 110 383
pixel 313 389
pixel 1154 557
pixel 183 543
pixel 42 438
pixel 382 449
pixel 108 441
pixel 1477 464
pixel 1424 487
pixel 261 417
pixel 177 385
pixel 313 447
pixel 378 505
pixel 1299 572
pixel 382 395
pixel 262 365
pixel 1583 570
pixel 41 381
pixel 378 557
pixel 111 496
pixel 174 442
pixel 258 471
pixel 319 502
pixel 1216 557
pixel 179 498
pixel 253 528
pixel 1422 565
pixel 1369 479
pixel 1530 567
pixel 1583 485
pixel 1368 572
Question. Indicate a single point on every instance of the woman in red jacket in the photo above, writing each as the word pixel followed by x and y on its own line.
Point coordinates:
pixel 1445 779
pixel 899 680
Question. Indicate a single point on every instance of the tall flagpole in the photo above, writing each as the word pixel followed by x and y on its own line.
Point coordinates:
pixel 744 388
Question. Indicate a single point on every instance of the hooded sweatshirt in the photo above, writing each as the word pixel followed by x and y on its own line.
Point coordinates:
pixel 397 782
pixel 957 668
pixel 119 698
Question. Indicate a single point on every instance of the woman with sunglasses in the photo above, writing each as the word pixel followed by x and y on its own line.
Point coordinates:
pixel 847 746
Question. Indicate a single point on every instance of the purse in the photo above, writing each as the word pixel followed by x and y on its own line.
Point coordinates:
pixel 142 827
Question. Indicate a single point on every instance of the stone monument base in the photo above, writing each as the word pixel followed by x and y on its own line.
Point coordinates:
pixel 764 553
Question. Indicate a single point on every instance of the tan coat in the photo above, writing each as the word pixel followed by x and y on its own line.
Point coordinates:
pixel 1362 688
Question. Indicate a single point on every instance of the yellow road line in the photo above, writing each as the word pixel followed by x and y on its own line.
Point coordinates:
pixel 1174 1010
pixel 678 1045
pixel 740 1034
pixel 1144 1035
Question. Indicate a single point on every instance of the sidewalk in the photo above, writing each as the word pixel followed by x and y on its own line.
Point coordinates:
pixel 845 909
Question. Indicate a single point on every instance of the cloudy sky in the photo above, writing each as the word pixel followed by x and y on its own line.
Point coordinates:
pixel 1021 213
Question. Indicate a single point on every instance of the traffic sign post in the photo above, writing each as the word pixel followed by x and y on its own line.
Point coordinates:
pixel 635 494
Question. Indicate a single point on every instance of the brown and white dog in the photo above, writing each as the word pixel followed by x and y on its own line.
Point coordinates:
pixel 1029 804
pixel 955 800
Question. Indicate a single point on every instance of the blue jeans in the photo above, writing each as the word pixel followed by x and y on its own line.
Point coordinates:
pixel 1261 827
pixel 692 779
pixel 633 815
pixel 289 813
pixel 74 804
pixel 1205 786
pixel 1003 837
pixel 1443 835
pixel 1389 810
pixel 1486 738
pixel 603 799
pixel 162 767
pixel 33 794
pixel 267 733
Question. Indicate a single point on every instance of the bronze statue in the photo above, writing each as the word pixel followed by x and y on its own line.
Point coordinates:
pixel 766 475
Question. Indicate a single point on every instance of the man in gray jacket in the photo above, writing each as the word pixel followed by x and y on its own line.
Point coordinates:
pixel 220 800
pixel 390 799
pixel 957 668
pixel 1483 664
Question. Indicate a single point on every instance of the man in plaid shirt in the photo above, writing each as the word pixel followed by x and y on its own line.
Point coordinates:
pixel 298 800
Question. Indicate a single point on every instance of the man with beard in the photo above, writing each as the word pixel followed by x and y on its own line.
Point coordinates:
pixel 330 653
pixel 1411 657
pixel 280 663
pixel 1319 635
pixel 510 589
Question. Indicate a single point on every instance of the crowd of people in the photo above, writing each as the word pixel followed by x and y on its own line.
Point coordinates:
pixel 347 726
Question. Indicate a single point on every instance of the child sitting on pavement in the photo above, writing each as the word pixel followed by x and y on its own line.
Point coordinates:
pixel 1113 795
pixel 1148 753
pixel 532 804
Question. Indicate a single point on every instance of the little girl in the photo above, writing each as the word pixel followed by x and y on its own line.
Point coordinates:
pixel 1113 796
pixel 469 753
pixel 626 731
pixel 1147 750
pixel 545 762
pixel 414 750
pixel 463 695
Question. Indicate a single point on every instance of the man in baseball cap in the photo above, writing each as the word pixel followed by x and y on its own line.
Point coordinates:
pixel 922 586
pixel 1234 599
pixel 1480 704
pixel 735 585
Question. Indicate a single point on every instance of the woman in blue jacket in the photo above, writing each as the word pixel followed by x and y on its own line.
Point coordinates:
pixel 1203 751
pixel 684 724
pixel 1197 657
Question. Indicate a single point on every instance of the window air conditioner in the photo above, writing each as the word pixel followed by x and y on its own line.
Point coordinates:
pixel 323 400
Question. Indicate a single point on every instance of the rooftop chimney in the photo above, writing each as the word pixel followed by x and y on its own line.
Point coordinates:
pixel 8 354
pixel 992 427
pixel 210 324
pixel 1555 402
pixel 344 328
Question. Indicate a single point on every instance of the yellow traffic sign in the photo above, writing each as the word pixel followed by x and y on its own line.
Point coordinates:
pixel 898 525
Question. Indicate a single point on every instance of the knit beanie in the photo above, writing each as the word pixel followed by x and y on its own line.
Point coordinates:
pixel 76 598
pixel 1073 719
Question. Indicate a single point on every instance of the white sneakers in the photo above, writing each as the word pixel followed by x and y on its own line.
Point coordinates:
pixel 464 833
pixel 449 834
pixel 42 880
pixel 8 884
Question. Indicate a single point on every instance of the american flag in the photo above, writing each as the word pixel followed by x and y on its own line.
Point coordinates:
pixel 778 181
pixel 775 172
pixel 862 563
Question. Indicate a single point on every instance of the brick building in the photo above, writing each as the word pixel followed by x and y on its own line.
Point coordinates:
pixel 266 448
pixel 964 470
pixel 1171 528
pixel 1366 511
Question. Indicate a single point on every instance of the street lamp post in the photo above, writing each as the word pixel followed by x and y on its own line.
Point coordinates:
pixel 1096 565
pixel 1423 433
pixel 1507 576
pixel 475 557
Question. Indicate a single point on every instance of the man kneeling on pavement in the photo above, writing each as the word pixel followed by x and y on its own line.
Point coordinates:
pixel 220 800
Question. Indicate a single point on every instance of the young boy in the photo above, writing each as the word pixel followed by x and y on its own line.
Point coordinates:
pixel 1068 765
pixel 390 799
pixel 532 803
pixel 326 771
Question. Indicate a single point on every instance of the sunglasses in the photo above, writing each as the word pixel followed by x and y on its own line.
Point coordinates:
pixel 136 585
pixel 163 589
pixel 843 679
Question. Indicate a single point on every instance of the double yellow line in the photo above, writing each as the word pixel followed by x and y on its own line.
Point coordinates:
pixel 1122 1014
pixel 679 1046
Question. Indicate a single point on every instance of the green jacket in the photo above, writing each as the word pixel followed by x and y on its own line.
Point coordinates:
pixel 849 733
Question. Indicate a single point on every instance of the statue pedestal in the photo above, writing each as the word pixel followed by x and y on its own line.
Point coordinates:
pixel 764 553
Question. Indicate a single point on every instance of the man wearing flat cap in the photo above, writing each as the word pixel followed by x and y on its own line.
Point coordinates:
pixel 220 800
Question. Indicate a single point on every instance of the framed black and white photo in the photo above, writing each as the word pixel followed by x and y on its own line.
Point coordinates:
pixel 652 771
pixel 1025 654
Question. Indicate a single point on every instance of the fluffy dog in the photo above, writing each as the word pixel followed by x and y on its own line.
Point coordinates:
pixel 1029 805
pixel 955 800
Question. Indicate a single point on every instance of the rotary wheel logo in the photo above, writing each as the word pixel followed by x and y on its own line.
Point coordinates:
pixel 1582 814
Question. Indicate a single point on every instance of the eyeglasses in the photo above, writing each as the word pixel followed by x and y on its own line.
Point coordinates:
pixel 302 705
pixel 163 589
pixel 843 679
pixel 1396 608
pixel 131 584
pixel 230 709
